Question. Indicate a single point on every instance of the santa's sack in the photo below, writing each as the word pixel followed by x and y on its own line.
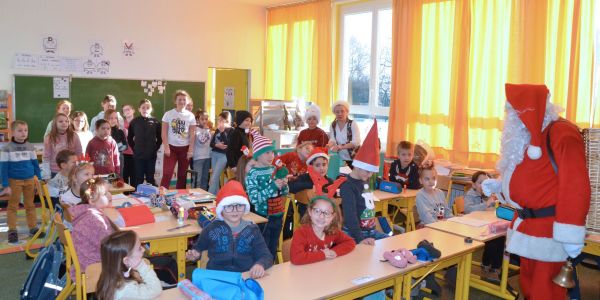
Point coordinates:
pixel 505 212
pixel 227 285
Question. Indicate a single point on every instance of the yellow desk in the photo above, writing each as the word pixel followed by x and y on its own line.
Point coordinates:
pixel 480 234
pixel 120 190
pixel 405 200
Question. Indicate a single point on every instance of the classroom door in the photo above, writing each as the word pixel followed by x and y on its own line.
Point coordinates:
pixel 228 89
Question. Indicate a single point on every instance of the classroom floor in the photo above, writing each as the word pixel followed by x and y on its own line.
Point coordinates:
pixel 14 269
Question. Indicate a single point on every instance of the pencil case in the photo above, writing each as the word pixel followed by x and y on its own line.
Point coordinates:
pixel 505 212
pixel 190 291
pixel 498 226
pixel 390 187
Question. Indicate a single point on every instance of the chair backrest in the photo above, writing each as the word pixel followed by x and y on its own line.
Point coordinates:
pixel 64 236
pixel 286 247
pixel 459 205
pixel 304 196
pixel 91 276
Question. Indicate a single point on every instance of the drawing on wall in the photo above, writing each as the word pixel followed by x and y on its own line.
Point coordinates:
pixel 103 67
pixel 128 49
pixel 96 49
pixel 89 67
pixel 152 85
pixel 49 44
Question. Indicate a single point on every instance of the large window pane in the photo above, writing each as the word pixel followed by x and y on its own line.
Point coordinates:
pixel 357 57
pixel 384 57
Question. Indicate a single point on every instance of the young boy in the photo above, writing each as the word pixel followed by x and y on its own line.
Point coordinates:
pixel 66 160
pixel 357 201
pixel 295 161
pixel 103 150
pixel 233 244
pixel 317 136
pixel 18 165
pixel 475 200
pixel 266 192
pixel 109 102
pixel 404 170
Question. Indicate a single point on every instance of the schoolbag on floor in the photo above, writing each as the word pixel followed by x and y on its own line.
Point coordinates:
pixel 44 281
pixel 227 285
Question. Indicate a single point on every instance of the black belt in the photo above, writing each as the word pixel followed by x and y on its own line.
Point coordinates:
pixel 528 213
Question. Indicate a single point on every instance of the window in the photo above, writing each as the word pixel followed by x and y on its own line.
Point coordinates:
pixel 365 63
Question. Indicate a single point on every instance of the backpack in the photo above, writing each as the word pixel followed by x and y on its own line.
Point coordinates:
pixel 44 281
pixel 227 285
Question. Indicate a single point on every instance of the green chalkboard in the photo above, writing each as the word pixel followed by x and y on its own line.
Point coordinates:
pixel 34 102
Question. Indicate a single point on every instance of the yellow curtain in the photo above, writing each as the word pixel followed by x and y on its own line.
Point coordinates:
pixel 298 62
pixel 451 59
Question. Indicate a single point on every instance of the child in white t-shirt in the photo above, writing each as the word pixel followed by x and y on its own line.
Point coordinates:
pixel 202 150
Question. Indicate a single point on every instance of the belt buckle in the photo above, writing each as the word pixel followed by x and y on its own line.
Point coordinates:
pixel 524 213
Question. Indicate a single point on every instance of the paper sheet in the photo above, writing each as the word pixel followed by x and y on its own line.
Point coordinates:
pixel 469 221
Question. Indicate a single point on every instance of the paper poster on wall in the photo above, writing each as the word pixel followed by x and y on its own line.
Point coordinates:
pixel 96 49
pixel 128 49
pixel 49 44
pixel 229 96
pixel 151 85
pixel 61 87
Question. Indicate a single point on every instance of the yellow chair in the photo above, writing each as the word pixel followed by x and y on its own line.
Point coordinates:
pixel 286 246
pixel 459 205
pixel 280 244
pixel 47 210
pixel 89 279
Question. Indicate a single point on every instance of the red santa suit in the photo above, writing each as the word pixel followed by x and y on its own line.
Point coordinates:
pixel 560 199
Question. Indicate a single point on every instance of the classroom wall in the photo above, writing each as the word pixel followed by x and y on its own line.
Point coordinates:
pixel 175 40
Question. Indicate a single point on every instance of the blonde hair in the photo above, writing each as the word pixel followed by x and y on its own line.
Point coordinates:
pixel 61 102
pixel 78 114
pixel 16 123
pixel 181 93
pixel 75 170
pixel 53 135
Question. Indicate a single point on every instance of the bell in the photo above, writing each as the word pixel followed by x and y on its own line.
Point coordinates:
pixel 565 276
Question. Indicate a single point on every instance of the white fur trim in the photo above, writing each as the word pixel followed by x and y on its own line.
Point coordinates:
pixel 342 103
pixel 365 166
pixel 315 156
pixel 534 152
pixel 506 188
pixel 533 247
pixel 568 233
pixel 229 201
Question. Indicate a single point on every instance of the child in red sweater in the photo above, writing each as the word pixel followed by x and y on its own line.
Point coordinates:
pixel 103 150
pixel 295 161
pixel 320 236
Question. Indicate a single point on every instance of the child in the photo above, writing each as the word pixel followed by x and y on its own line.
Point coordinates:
pixel 202 150
pixel 61 137
pixel 493 249
pixel 178 138
pixel 313 134
pixel 103 150
pixel 218 156
pixel 233 243
pixel 18 165
pixel 319 160
pixel 62 107
pixel 79 124
pixel 320 236
pixel 404 170
pixel 109 102
pixel 144 137
pixel 125 273
pixel 66 160
pixel 128 163
pixel 357 201
pixel 238 138
pixel 117 134
pixel 90 224
pixel 295 161
pixel 431 201
pixel 78 175
pixel 265 192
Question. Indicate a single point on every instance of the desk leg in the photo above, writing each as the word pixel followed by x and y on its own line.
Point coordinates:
pixel 410 220
pixel 406 282
pixel 463 278
pixel 181 247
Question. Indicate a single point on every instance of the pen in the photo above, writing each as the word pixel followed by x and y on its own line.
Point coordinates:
pixel 178 227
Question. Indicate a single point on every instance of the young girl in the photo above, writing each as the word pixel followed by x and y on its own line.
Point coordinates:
pixel 144 137
pixel 103 150
pixel 431 201
pixel 117 134
pixel 90 224
pixel 62 107
pixel 320 236
pixel 238 138
pixel 319 160
pixel 61 137
pixel 178 137
pixel 201 159
pixel 78 175
pixel 128 162
pixel 218 157
pixel 79 124
pixel 125 274
pixel 317 136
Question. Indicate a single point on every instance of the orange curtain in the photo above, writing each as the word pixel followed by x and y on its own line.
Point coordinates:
pixel 298 62
pixel 451 59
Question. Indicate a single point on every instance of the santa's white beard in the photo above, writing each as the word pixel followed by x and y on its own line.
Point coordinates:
pixel 516 137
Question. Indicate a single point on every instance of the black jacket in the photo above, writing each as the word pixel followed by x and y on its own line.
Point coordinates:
pixel 237 139
pixel 144 137
pixel 220 137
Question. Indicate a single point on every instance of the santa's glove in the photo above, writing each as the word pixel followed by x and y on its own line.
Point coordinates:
pixel 491 186
pixel 573 250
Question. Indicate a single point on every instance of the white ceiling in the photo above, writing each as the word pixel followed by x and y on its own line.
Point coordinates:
pixel 268 3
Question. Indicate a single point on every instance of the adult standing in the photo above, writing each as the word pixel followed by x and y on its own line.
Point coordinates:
pixel 344 135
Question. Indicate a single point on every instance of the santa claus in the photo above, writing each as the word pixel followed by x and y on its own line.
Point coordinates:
pixel 549 186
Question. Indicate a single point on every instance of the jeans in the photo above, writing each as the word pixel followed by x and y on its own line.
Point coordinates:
pixel 201 168
pixel 178 156
pixel 377 235
pixel 271 231
pixel 218 163
pixel 144 168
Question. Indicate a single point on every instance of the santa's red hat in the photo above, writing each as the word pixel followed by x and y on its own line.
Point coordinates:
pixel 529 101
pixel 316 153
pixel 367 157
pixel 231 193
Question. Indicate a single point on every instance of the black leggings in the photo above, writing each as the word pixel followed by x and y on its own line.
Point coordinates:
pixel 493 252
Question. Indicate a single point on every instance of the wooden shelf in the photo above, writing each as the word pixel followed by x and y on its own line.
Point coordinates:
pixel 8 113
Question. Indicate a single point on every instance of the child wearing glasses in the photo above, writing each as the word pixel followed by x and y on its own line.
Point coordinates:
pixel 320 236
pixel 233 244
